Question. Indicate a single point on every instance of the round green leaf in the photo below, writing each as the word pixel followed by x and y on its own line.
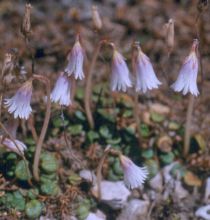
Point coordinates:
pixel 147 154
pixel 33 209
pixel 167 158
pixel 21 171
pixel 48 162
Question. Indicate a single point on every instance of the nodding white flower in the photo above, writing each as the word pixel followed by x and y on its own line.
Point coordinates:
pixel 75 61
pixel 145 76
pixel 19 104
pixel 61 91
pixel 10 145
pixel 134 176
pixel 120 79
pixel 187 79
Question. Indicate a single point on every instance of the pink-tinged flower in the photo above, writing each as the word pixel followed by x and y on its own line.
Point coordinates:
pixel 145 76
pixel 134 176
pixel 19 104
pixel 11 146
pixel 75 61
pixel 187 79
pixel 61 91
pixel 120 79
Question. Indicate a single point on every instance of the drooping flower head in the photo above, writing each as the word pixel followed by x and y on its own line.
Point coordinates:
pixel 75 61
pixel 61 91
pixel 11 146
pixel 145 76
pixel 134 176
pixel 120 79
pixel 187 78
pixel 19 104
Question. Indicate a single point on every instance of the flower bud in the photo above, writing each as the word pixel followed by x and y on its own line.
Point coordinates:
pixel 26 24
pixel 170 35
pixel 202 5
pixel 97 22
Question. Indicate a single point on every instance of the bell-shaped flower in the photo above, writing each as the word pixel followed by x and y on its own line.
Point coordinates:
pixel 120 79
pixel 134 176
pixel 145 76
pixel 18 147
pixel 75 61
pixel 187 78
pixel 62 90
pixel 19 104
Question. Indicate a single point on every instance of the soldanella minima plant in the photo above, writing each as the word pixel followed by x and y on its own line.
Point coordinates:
pixel 142 78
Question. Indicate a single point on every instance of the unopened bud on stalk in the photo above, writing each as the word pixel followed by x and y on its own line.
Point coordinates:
pixel 8 64
pixel 26 24
pixel 97 22
pixel 202 5
pixel 170 35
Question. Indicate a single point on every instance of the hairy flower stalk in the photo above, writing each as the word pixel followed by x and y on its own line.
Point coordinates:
pixel 187 79
pixel 120 79
pixel 134 176
pixel 145 76
pixel 61 91
pixel 19 104
pixel 44 127
pixel 75 61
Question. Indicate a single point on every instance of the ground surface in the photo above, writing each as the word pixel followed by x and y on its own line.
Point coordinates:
pixel 162 112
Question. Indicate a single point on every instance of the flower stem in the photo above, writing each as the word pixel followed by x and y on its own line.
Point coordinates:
pixel 188 125
pixel 136 116
pixel 108 150
pixel 44 127
pixel 99 170
pixel 88 86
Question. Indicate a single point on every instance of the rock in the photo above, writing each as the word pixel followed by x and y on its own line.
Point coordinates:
pixel 156 182
pixel 96 216
pixel 166 172
pixel 207 191
pixel 203 212
pixel 159 108
pixel 135 209
pixel 88 175
pixel 179 191
pixel 114 194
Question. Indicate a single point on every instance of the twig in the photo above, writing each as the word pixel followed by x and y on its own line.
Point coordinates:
pixel 44 127
pixel 188 125
pixel 88 86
